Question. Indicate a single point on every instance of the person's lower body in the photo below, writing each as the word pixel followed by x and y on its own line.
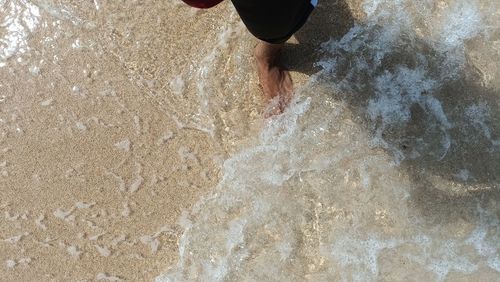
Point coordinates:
pixel 274 22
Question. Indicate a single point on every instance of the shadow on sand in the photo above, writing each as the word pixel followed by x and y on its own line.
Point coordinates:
pixel 301 57
pixel 449 184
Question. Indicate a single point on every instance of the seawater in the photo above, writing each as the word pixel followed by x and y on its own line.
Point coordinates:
pixel 386 165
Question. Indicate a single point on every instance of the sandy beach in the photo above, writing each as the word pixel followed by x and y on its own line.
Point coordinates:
pixel 96 170
pixel 133 144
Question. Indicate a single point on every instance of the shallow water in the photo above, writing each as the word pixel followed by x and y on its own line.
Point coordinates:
pixel 98 155
pixel 386 166
pixel 116 117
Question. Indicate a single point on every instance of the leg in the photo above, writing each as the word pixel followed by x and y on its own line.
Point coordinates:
pixel 275 80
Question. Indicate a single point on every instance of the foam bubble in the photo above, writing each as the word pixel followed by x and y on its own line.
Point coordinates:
pixel 21 19
pixel 315 197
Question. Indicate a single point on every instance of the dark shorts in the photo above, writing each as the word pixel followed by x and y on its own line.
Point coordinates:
pixel 273 21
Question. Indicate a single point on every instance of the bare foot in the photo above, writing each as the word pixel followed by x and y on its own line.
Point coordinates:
pixel 276 82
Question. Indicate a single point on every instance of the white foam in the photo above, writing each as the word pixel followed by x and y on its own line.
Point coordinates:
pixel 118 240
pixel 10 263
pixel 152 242
pixel 65 215
pixel 25 261
pixel 463 175
pixel 39 222
pixel 47 102
pixel 313 197
pixel 106 277
pixel 103 250
pixel 484 247
pixel 461 22
pixel 119 179
pixel 81 126
pixel 126 210
pixel 165 138
pixel 349 251
pixel 137 125
pixel 177 85
pixel 19 20
pixel 15 239
pixel 96 237
pixel 136 184
pixel 479 116
pixel 124 145
pixel 83 205
pixel 34 70
pixel 74 251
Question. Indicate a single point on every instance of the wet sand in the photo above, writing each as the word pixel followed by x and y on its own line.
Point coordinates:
pixel 99 155
pixel 116 119
pixel 104 138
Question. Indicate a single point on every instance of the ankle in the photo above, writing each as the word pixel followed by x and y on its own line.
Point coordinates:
pixel 267 55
